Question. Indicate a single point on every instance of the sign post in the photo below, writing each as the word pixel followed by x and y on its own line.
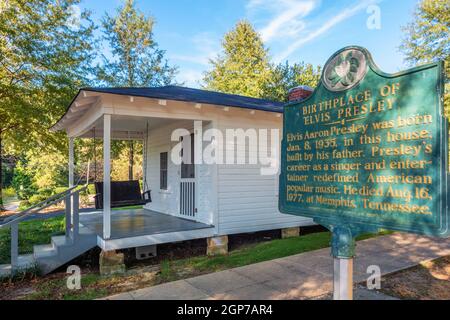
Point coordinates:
pixel 367 151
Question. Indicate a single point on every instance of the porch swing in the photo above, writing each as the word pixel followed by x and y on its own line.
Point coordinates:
pixel 123 193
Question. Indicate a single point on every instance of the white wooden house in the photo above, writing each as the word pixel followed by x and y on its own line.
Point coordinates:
pixel 199 201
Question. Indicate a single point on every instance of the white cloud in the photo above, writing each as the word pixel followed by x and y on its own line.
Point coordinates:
pixel 288 18
pixel 310 36
pixel 190 77
pixel 205 46
pixel 288 22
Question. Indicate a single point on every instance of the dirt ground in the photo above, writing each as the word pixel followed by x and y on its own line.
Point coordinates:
pixel 140 273
pixel 429 280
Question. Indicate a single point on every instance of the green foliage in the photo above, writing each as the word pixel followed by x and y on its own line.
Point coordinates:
pixel 23 181
pixel 285 77
pixel 428 38
pixel 44 59
pixel 39 175
pixel 9 192
pixel 7 174
pixel 49 170
pixel 244 68
pixel 137 60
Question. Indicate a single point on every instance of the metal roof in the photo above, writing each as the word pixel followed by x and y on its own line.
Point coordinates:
pixel 195 95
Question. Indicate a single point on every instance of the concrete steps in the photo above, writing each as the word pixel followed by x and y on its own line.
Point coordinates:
pixel 62 250
pixel 24 262
pixel 58 252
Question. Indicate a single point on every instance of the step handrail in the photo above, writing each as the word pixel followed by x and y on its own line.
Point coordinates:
pixel 40 206
pixel 71 198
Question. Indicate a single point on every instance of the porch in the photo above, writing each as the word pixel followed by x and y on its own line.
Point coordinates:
pixel 142 227
pixel 165 128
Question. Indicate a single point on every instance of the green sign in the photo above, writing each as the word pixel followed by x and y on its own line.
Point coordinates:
pixel 368 150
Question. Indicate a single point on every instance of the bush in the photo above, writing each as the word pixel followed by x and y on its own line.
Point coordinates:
pixel 41 195
pixel 25 204
pixel 91 189
pixel 35 199
pixel 45 192
pixel 59 190
pixel 23 182
pixel 9 192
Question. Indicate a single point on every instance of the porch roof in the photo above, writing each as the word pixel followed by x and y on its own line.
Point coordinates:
pixel 175 93
pixel 195 95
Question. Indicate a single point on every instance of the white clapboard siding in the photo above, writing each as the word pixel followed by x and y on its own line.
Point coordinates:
pixel 235 198
pixel 247 200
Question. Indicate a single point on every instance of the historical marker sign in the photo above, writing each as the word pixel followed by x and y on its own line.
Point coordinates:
pixel 368 149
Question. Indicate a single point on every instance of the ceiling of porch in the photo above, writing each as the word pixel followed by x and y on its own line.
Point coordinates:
pixel 127 127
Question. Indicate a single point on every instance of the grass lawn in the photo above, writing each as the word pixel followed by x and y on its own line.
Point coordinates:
pixel 30 233
pixel 33 233
pixel 96 286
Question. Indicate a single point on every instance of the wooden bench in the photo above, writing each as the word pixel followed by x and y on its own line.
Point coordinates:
pixel 123 193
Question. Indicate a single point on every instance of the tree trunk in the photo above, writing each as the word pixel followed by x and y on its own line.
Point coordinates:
pixel 131 161
pixel 1 174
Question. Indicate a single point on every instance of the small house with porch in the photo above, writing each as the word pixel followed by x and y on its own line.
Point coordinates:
pixel 210 170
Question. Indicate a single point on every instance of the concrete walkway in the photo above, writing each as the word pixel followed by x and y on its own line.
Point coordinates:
pixel 304 276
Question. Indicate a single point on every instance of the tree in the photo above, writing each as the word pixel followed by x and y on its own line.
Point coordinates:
pixel 243 67
pixel 285 77
pixel 45 54
pixel 136 59
pixel 428 38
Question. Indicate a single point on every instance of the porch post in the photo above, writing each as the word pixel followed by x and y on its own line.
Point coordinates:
pixel 106 176
pixel 71 162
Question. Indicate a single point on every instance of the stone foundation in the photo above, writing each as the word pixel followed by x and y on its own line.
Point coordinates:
pixel 111 262
pixel 290 232
pixel 217 246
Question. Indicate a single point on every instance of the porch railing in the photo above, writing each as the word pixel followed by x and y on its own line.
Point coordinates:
pixel 71 198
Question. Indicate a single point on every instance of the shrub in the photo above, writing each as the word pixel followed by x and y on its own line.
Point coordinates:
pixel 9 192
pixel 35 199
pixel 25 204
pixel 23 182
pixel 59 190
pixel 91 189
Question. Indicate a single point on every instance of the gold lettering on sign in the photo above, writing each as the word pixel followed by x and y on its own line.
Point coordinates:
pixel 357 151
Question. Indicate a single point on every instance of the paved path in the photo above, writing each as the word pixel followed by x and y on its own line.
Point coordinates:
pixel 303 276
pixel 12 206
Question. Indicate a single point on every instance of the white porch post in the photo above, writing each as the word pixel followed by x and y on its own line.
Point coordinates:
pixel 71 162
pixel 106 176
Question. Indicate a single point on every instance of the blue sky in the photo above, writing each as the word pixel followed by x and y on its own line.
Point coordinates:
pixel 293 30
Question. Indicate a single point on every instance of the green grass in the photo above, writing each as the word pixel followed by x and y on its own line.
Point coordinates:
pixel 128 208
pixel 95 286
pixel 171 270
pixel 35 232
pixel 30 233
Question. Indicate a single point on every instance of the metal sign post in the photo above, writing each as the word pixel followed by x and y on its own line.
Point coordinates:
pixel 343 252
pixel 343 279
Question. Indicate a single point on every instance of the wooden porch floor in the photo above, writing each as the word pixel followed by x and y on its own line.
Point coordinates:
pixel 138 222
